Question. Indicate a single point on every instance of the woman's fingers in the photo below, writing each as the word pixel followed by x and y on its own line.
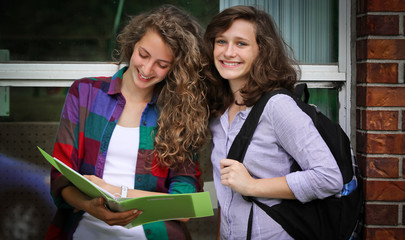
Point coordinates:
pixel 100 211
pixel 235 175
pixel 122 218
pixel 227 162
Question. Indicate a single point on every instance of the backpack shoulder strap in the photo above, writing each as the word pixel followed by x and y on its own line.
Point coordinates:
pixel 301 92
pixel 242 140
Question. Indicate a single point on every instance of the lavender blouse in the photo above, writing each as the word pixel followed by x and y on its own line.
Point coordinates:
pixel 284 132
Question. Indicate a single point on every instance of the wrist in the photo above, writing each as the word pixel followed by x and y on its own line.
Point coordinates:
pixel 251 188
pixel 115 190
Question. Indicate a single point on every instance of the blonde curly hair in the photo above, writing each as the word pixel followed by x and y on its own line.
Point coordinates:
pixel 182 126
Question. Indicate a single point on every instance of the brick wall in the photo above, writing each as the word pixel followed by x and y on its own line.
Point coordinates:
pixel 380 135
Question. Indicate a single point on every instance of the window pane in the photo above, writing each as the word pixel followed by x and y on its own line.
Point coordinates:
pixel 75 30
pixel 310 27
pixel 35 104
pixel 326 100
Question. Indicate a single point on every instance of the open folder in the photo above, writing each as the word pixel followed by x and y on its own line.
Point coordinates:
pixel 154 208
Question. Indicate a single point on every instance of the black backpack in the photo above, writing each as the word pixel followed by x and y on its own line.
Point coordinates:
pixel 337 217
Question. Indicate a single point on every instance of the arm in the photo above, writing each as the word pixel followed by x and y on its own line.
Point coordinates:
pixel 115 190
pixel 295 132
pixel 63 147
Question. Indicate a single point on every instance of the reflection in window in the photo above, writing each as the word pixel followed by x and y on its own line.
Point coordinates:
pixel 310 27
pixel 74 30
pixel 77 30
pixel 325 99
pixel 37 104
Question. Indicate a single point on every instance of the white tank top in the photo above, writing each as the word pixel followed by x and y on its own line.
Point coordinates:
pixel 119 170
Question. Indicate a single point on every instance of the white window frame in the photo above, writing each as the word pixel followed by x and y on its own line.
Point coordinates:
pixel 62 74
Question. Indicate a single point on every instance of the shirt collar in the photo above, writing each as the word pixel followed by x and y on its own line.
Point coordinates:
pixel 115 84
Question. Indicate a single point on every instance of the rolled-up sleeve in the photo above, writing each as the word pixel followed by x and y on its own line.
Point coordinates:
pixel 320 176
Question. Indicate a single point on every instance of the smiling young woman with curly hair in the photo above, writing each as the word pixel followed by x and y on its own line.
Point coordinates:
pixel 182 101
pixel 136 133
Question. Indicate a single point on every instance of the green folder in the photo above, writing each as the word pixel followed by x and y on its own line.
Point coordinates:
pixel 154 208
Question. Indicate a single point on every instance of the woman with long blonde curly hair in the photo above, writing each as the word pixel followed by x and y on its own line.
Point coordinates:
pixel 182 125
pixel 137 133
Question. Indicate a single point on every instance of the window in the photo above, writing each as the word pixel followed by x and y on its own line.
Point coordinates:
pixel 49 30
pixel 46 44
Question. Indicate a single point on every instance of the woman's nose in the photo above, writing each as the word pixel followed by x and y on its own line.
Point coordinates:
pixel 230 51
pixel 147 69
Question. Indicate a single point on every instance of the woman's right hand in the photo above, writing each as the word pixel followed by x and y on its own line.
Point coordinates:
pixel 235 175
pixel 96 208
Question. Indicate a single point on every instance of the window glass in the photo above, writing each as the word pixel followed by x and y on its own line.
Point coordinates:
pixel 325 99
pixel 309 27
pixel 76 30
pixel 39 104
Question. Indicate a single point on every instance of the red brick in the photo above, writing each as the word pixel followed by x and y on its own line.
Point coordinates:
pixel 377 25
pixel 377 72
pixel 379 214
pixel 380 6
pixel 380 120
pixel 390 48
pixel 379 233
pixel 385 191
pixel 380 143
pixel 378 167
pixel 380 49
pixel 381 96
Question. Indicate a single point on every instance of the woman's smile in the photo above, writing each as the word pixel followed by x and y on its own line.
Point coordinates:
pixel 142 77
pixel 230 63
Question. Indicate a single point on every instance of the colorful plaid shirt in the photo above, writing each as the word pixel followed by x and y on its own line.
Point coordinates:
pixel 91 111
